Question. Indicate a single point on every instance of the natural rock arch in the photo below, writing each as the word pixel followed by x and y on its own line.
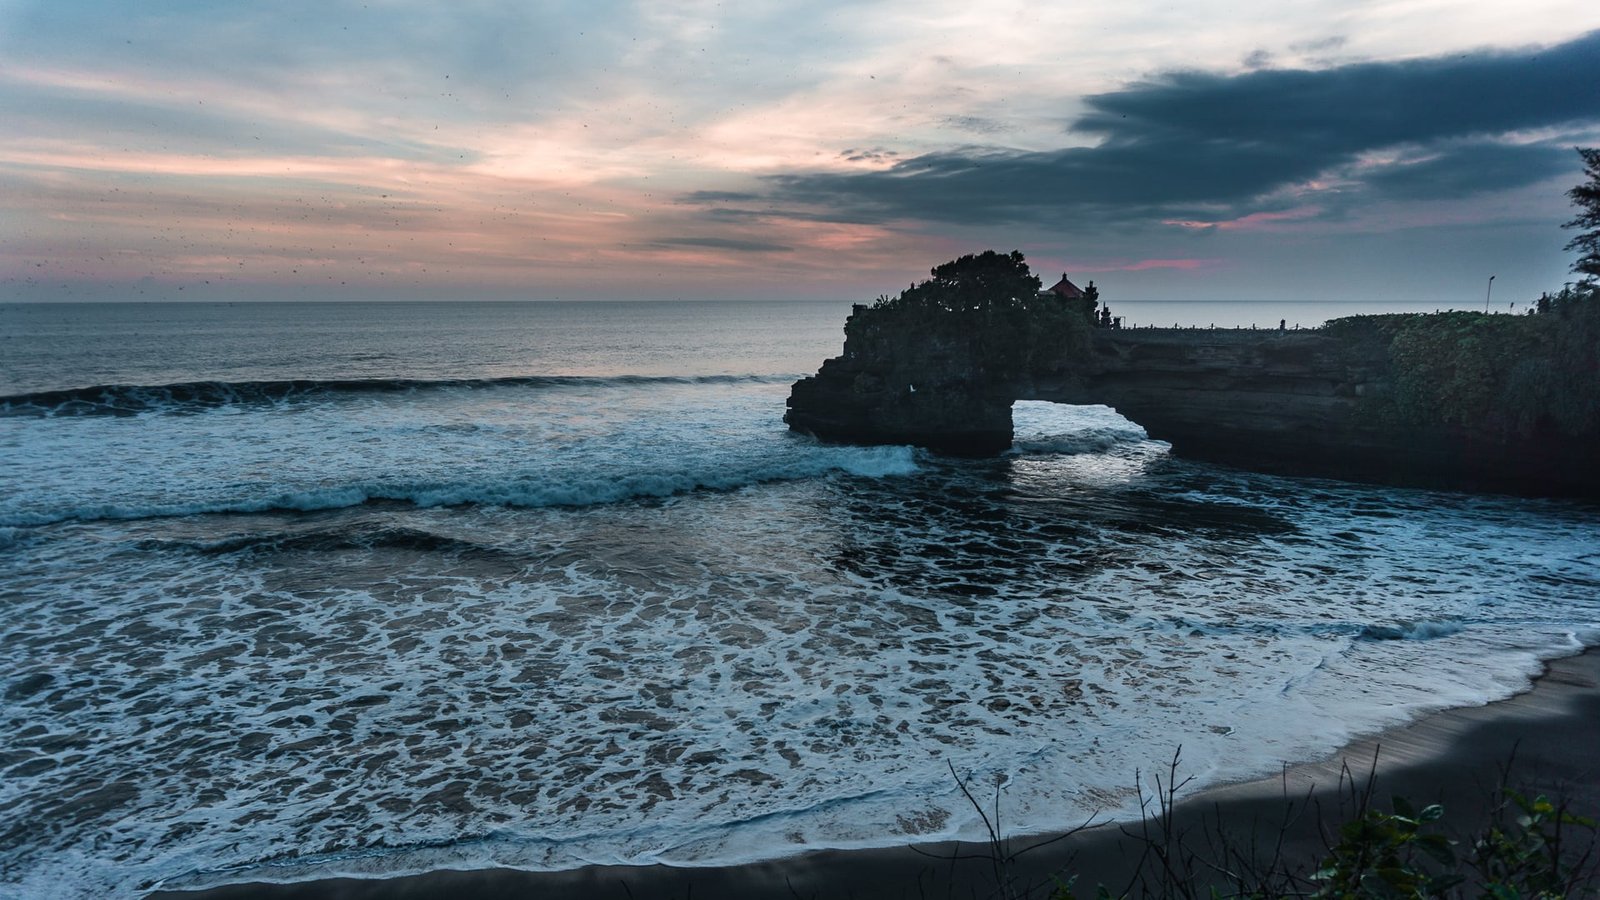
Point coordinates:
pixel 1314 401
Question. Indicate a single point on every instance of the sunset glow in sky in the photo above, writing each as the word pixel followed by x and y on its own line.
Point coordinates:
pixel 474 150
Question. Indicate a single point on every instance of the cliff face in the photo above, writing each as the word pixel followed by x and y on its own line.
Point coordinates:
pixel 1306 402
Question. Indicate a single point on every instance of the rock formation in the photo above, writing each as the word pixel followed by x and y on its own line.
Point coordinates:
pixel 1321 401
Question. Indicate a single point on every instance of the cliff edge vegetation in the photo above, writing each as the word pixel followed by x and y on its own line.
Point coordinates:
pixel 986 305
pixel 1504 376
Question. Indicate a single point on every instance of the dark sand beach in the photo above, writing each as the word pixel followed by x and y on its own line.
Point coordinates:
pixel 1454 758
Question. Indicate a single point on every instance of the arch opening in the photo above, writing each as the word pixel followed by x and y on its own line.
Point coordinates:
pixel 1045 426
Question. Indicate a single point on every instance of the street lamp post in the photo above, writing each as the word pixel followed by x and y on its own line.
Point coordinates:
pixel 1487 291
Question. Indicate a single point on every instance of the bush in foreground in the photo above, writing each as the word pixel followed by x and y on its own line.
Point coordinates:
pixel 1530 849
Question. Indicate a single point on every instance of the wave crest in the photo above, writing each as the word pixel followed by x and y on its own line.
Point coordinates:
pixel 1042 427
pixel 1089 440
pixel 528 491
pixel 1409 631
pixel 196 396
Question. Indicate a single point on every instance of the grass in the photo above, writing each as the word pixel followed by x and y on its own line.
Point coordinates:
pixel 1531 847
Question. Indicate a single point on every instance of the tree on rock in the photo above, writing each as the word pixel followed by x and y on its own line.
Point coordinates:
pixel 1586 197
pixel 986 280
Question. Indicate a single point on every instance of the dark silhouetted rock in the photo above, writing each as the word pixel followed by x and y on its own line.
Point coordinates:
pixel 1346 401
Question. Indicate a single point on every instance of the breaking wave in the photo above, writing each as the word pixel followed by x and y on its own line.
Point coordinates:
pixel 326 540
pixel 195 396
pixel 1409 631
pixel 1042 427
pixel 589 489
pixel 1090 440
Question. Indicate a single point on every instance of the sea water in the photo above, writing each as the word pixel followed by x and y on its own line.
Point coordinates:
pixel 302 590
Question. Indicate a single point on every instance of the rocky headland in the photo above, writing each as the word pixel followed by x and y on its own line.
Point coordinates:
pixel 1461 400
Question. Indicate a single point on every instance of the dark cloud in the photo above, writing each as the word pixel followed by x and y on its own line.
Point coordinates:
pixel 873 154
pixel 1360 106
pixel 974 124
pixel 1190 143
pixel 1258 59
pixel 1461 170
pixel 720 197
pixel 742 215
pixel 1332 42
pixel 716 243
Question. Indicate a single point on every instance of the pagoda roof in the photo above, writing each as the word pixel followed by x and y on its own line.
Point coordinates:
pixel 1065 288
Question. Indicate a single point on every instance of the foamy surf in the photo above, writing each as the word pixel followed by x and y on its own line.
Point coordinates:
pixel 521 490
pixel 738 675
pixel 400 650
pixel 604 441
pixel 1051 428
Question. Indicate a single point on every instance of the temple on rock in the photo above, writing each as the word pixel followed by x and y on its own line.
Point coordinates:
pixel 1340 400
pixel 1087 299
pixel 1066 290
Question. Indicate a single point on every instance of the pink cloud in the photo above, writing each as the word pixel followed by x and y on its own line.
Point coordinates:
pixel 1143 264
pixel 1252 222
pixel 1125 265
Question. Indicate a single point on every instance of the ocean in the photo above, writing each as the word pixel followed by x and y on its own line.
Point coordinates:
pixel 302 590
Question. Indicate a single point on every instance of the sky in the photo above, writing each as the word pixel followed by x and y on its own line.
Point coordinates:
pixel 398 149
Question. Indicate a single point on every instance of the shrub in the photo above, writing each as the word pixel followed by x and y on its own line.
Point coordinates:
pixel 1497 374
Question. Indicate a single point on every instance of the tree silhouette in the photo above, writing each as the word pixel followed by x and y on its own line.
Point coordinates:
pixel 1586 197
pixel 986 280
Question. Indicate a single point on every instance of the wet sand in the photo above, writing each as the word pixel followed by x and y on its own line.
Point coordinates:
pixel 1549 735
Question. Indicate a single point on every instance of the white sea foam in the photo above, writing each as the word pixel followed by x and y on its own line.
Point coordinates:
pixel 717 677
pixel 1411 631
pixel 601 441
pixel 1054 428
pixel 520 491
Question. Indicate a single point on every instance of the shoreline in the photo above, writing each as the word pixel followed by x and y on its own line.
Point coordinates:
pixel 1453 757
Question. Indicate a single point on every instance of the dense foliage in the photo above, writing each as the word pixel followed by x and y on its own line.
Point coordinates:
pixel 984 307
pixel 1500 374
pixel 1586 197
pixel 986 280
